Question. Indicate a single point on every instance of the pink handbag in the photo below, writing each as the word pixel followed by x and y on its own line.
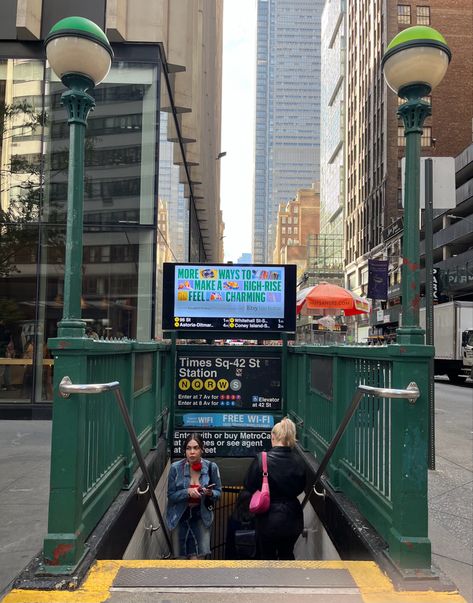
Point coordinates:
pixel 260 500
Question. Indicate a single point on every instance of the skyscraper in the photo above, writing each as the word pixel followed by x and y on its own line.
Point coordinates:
pixel 287 140
pixel 332 111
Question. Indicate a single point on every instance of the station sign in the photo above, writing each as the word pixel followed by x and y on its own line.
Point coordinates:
pixel 228 382
pixel 226 443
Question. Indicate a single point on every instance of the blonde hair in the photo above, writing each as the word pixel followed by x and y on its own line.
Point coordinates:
pixel 285 432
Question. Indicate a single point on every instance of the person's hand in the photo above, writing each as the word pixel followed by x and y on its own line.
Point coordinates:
pixel 193 492
pixel 207 491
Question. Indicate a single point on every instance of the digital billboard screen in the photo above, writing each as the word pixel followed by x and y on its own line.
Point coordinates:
pixel 240 299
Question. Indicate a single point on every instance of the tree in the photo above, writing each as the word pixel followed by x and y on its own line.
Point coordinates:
pixel 21 183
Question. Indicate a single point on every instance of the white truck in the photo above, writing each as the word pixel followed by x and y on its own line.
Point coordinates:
pixel 453 339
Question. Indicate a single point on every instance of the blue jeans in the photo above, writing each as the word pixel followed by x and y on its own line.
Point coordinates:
pixel 191 537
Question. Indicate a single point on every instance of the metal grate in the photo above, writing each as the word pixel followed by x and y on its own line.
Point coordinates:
pixel 223 510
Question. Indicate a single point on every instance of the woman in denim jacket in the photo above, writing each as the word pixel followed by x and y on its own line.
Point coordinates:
pixel 193 488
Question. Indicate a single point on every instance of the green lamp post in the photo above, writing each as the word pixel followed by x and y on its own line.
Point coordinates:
pixel 80 55
pixel 414 63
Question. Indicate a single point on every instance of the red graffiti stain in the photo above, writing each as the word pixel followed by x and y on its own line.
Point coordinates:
pixel 409 544
pixel 410 265
pixel 59 551
pixel 64 344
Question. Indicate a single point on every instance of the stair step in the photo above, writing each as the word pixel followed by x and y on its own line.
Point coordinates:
pixel 262 577
pixel 269 582
pixel 184 581
pixel 249 596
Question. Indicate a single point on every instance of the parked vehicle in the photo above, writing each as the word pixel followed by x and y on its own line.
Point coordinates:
pixel 453 339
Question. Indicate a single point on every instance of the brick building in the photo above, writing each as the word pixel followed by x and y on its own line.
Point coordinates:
pixel 296 221
pixel 375 137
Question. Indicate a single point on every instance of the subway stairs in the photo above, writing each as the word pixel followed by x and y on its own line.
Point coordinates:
pixel 184 581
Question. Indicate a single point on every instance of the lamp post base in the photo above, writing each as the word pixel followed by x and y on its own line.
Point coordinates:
pixel 410 336
pixel 71 327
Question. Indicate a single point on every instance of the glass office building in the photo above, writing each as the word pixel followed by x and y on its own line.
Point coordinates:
pixel 135 213
pixel 287 139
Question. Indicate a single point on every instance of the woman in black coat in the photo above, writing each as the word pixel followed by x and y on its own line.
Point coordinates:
pixel 278 529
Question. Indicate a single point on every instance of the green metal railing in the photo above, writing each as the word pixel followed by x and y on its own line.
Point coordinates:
pixel 92 456
pixel 380 464
pixel 411 393
pixel 67 388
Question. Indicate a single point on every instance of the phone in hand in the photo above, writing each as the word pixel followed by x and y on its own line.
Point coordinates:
pixel 204 488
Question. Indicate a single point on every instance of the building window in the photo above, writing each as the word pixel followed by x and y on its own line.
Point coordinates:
pixel 404 14
pixel 423 15
pixel 401 139
pixel 351 281
pixel 426 138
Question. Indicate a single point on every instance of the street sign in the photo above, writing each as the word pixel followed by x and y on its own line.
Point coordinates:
pixel 443 186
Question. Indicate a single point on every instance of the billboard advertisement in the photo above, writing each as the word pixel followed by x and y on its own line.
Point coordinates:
pixel 241 299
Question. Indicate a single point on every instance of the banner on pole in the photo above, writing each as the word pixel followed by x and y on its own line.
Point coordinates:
pixel 378 279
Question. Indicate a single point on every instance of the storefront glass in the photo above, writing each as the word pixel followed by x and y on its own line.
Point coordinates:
pixel 136 214
pixel 22 118
pixel 127 233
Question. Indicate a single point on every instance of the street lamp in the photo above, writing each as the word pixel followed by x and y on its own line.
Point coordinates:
pixel 414 63
pixel 80 55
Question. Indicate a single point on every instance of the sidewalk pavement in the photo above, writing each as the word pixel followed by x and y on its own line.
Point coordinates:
pixel 24 490
pixel 451 485
pixel 24 484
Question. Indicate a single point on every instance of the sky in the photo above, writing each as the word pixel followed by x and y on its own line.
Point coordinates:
pixel 238 109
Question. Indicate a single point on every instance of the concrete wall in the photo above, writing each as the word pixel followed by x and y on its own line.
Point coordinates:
pixel 146 544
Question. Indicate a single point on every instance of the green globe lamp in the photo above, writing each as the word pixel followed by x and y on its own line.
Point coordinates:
pixel 78 51
pixel 80 55
pixel 414 63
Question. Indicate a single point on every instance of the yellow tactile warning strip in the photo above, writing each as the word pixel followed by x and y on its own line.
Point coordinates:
pixel 374 586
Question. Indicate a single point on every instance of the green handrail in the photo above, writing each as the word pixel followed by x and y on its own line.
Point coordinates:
pixel 411 393
pixel 66 388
